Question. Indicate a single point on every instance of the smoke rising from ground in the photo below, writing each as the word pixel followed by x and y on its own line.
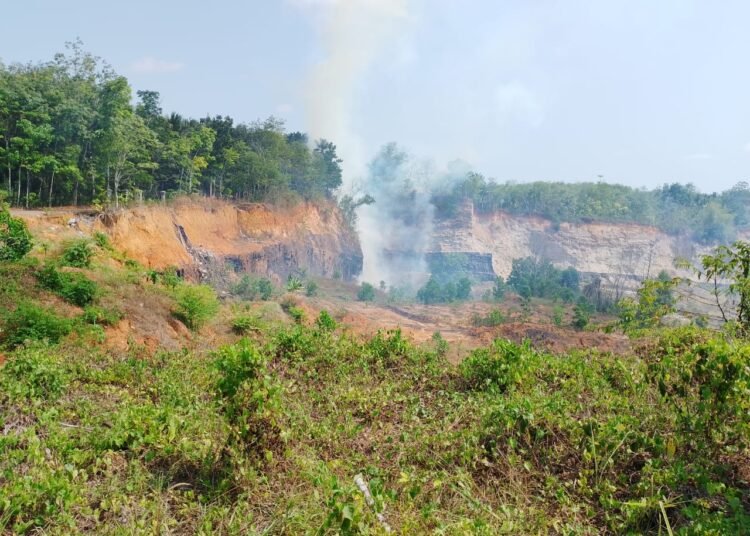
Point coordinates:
pixel 396 229
pixel 352 34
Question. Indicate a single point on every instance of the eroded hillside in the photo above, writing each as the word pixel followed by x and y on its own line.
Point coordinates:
pixel 612 250
pixel 199 236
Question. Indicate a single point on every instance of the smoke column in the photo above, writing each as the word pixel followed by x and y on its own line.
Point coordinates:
pixel 353 33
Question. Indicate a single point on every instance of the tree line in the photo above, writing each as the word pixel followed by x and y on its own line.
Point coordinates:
pixel 70 134
pixel 675 208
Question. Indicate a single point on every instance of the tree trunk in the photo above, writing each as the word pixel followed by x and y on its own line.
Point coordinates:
pixel 51 183
pixel 18 192
pixel 28 182
pixel 10 183
pixel 75 194
pixel 117 189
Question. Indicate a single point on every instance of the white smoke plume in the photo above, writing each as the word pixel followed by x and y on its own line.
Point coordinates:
pixel 353 33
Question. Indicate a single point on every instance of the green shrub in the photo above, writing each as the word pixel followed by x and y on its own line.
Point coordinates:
pixel 73 287
pixel 581 313
pixel 196 305
pixel 244 324
pixel 449 291
pixel 491 319
pixel 77 254
pixel 33 323
pixel 251 397
pixel 500 366
pixel 325 321
pixel 15 239
pixel 251 288
pixel 78 289
pixel 297 314
pixel 441 345
pixel 34 373
pixel 366 292
pixel 102 241
pixel 558 314
pixel 293 284
pixel 311 289
pixel 99 316
pixel 532 277
pixel 499 289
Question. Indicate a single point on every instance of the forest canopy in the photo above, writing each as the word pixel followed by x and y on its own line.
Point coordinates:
pixel 70 134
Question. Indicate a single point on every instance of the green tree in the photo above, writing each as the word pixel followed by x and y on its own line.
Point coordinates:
pixel 732 264
pixel 15 239
pixel 366 292
pixel 195 305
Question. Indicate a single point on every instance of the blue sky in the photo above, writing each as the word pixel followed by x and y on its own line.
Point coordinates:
pixel 640 92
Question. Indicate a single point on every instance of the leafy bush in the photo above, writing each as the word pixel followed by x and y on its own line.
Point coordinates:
pixel 244 324
pixel 293 284
pixel 102 241
pixel 35 373
pixel 15 239
pixel 366 292
pixel 441 345
pixel 531 277
pixel 491 319
pixel 196 305
pixel 436 292
pixel 73 287
pixel 311 289
pixel 251 288
pixel 581 313
pixel 707 382
pixel 251 397
pixel 654 300
pixel 499 288
pixel 99 316
pixel 77 254
pixel 558 313
pixel 78 289
pixel 33 323
pixel 297 313
pixel 498 367
pixel 325 321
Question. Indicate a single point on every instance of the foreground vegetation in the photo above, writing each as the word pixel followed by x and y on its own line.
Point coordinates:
pixel 266 434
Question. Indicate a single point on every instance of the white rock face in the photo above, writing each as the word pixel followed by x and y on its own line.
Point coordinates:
pixel 611 250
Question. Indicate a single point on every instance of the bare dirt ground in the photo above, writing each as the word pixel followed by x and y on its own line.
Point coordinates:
pixel 454 322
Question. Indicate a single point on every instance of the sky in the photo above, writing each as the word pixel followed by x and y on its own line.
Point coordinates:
pixel 639 92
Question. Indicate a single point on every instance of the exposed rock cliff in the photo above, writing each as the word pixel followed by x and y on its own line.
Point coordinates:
pixel 199 235
pixel 611 250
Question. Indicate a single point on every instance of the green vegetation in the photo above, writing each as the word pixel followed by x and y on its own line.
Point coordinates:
pixel 268 435
pixel 654 300
pixel 581 313
pixel 77 254
pixel 311 289
pixel 294 283
pixel 70 135
pixel 436 292
pixel 195 305
pixel 491 319
pixel 73 287
pixel 99 316
pixel 532 277
pixel 15 239
pixel 31 322
pixel 366 292
pixel 732 264
pixel 712 218
pixel 251 288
